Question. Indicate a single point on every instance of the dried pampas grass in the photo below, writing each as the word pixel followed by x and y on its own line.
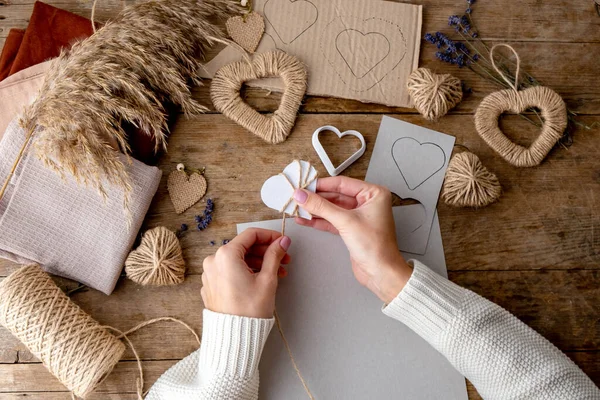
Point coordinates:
pixel 126 71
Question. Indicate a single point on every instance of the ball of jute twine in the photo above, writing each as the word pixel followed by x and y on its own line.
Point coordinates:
pixel 433 94
pixel 158 260
pixel 227 83
pixel 75 348
pixel 551 105
pixel 468 183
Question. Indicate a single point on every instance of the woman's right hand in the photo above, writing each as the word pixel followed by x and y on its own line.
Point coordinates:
pixel 361 213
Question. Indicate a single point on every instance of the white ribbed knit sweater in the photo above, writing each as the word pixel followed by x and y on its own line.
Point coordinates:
pixel 502 357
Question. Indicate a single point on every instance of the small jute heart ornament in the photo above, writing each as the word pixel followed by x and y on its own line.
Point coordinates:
pixel 184 190
pixel 227 83
pixel 246 30
pixel 552 108
pixel 433 94
pixel 469 183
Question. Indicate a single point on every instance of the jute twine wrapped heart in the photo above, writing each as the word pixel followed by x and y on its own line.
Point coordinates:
pixel 246 30
pixel 158 260
pixel 468 183
pixel 226 85
pixel 553 111
pixel 433 94
pixel 184 190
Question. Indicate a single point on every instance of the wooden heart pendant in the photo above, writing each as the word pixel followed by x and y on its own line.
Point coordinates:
pixel 227 83
pixel 184 190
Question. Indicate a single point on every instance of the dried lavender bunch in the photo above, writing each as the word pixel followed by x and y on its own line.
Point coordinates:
pixel 126 71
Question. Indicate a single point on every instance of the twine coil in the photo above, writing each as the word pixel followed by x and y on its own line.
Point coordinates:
pixel 469 183
pixel 158 260
pixel 75 348
pixel 553 111
pixel 227 83
pixel 434 94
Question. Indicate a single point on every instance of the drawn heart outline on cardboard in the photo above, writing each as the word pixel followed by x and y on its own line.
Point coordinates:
pixel 275 9
pixel 334 171
pixel 407 151
pixel 335 54
pixel 361 67
pixel 277 191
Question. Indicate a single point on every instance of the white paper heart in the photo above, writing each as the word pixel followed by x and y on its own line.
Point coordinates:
pixel 333 171
pixel 276 191
pixel 417 161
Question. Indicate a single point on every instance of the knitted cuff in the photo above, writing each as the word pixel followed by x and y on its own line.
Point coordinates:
pixel 427 303
pixel 232 345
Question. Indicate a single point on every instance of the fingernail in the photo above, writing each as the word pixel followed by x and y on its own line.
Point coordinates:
pixel 281 272
pixel 285 243
pixel 300 196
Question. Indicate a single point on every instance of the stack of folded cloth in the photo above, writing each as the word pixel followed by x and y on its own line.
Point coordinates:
pixel 69 229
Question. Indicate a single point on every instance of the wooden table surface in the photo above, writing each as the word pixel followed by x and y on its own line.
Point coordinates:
pixel 536 252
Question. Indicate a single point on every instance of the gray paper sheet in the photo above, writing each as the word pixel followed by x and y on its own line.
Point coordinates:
pixel 344 345
pixel 411 161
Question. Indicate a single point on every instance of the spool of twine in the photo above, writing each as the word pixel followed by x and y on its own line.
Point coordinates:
pixel 158 260
pixel 433 94
pixel 75 348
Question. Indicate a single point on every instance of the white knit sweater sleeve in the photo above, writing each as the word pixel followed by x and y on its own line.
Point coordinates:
pixel 501 356
pixel 226 365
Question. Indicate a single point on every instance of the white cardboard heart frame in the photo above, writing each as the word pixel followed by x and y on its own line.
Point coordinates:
pixel 334 171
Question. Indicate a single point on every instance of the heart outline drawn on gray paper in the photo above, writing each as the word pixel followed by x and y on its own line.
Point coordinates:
pixel 416 185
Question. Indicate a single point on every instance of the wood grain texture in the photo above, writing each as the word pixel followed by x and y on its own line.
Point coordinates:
pixel 536 252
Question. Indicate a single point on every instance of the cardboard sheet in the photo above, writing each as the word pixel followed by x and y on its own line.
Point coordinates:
pixel 344 345
pixel 411 161
pixel 355 49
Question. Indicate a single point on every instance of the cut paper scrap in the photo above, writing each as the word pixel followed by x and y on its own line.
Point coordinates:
pixel 411 161
pixel 353 49
pixel 277 192
pixel 331 322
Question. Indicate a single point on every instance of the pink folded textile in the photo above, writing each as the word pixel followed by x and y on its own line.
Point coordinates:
pixel 66 228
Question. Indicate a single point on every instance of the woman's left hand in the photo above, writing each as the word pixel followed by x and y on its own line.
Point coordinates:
pixel 241 278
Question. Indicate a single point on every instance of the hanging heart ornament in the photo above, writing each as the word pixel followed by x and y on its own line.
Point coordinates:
pixel 184 190
pixel 246 30
pixel 226 85
pixel 334 171
pixel 552 109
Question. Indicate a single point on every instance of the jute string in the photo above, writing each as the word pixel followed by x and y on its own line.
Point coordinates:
pixel 227 83
pixel 468 183
pixel 433 94
pixel 158 260
pixel 553 111
pixel 75 348
pixel 303 182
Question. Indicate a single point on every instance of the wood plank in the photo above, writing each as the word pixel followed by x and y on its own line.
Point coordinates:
pixel 560 305
pixel 548 217
pixel 529 20
pixel 26 380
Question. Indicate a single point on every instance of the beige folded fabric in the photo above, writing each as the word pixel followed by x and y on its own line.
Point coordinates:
pixel 21 89
pixel 68 229
pixel 18 91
